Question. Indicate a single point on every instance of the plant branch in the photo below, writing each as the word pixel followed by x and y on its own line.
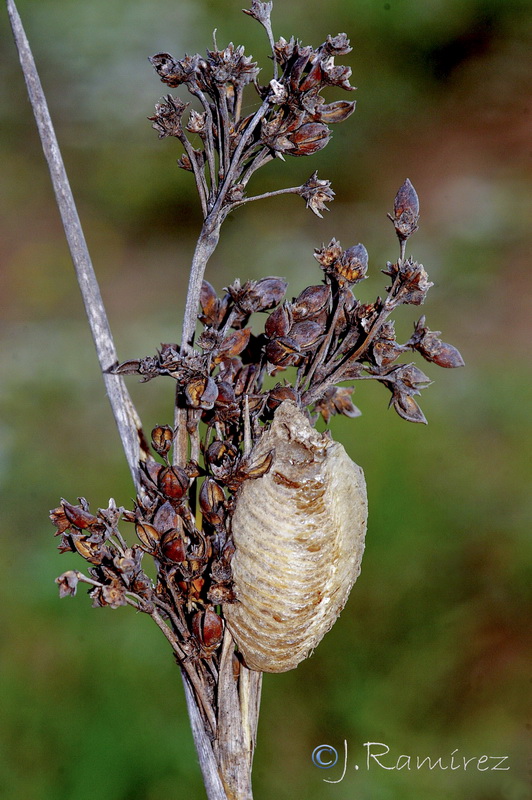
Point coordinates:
pixel 209 143
pixel 238 699
pixel 209 767
pixel 199 175
pixel 236 160
pixel 186 665
pixel 323 350
pixel 224 133
pixel 127 420
pixel 262 158
pixel 336 374
pixel 291 190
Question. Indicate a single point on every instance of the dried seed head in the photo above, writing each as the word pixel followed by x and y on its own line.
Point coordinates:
pixel 185 163
pixel 173 547
pixel 234 343
pixel 280 393
pixel 332 113
pixel 196 122
pixel 353 264
pixel 405 211
pixel 166 518
pixel 173 482
pixel 220 593
pixel 336 75
pixel 212 499
pixel 338 45
pixel 407 408
pixel 326 256
pixel 60 520
pixel 278 323
pixel 337 400
pixel 167 120
pixel 148 535
pixel 201 393
pixel 411 282
pixel 431 347
pixel 79 517
pixel 306 334
pixel 309 139
pixel 259 11
pixel 226 394
pixel 299 537
pixel 283 352
pixel 208 629
pixel 229 66
pixel 161 439
pixel 316 193
pixel 68 583
pixel 310 302
pixel 258 295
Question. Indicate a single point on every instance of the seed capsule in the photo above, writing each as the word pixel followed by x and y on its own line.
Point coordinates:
pixel 78 517
pixel 208 629
pixel 173 482
pixel 299 537
pixel 161 439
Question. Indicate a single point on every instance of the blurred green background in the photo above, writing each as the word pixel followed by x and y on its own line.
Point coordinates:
pixel 432 653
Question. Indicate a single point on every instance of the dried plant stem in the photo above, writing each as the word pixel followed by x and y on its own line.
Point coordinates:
pixel 199 175
pixel 209 767
pixel 187 669
pixel 227 767
pixel 209 143
pixel 205 247
pixel 238 700
pixel 226 155
pixel 235 166
pixel 310 396
pixel 223 759
pixel 291 190
pixel 127 420
pixel 207 241
pixel 324 347
pixel 262 158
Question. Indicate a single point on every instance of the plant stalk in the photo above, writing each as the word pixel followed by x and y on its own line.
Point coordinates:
pixel 126 417
pixel 226 762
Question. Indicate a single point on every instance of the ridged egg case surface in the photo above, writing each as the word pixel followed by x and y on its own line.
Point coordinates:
pixel 299 536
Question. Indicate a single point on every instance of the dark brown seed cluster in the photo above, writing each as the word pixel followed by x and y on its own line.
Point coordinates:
pixel 319 342
pixel 329 338
pixel 222 146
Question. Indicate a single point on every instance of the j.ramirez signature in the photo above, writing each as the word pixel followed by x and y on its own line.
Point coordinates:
pixel 378 756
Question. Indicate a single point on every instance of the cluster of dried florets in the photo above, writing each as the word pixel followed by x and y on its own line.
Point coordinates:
pixel 329 337
pixel 326 333
pixel 293 118
pixel 325 336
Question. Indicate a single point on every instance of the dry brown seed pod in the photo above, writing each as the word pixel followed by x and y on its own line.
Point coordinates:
pixel 306 333
pixel 161 439
pixel 299 537
pixel 173 547
pixel 79 517
pixel 311 301
pixel 208 629
pixel 173 482
pixel 148 535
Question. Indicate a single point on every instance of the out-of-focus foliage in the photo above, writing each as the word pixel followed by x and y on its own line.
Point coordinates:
pixel 432 650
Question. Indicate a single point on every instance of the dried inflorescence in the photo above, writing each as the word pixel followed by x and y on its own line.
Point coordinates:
pixel 293 118
pixel 193 502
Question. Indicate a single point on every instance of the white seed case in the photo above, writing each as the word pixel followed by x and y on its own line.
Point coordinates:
pixel 299 538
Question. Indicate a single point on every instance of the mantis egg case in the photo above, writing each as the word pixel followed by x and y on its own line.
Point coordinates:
pixel 299 538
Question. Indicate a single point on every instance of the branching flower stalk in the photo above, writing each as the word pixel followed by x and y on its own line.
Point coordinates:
pixel 225 401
